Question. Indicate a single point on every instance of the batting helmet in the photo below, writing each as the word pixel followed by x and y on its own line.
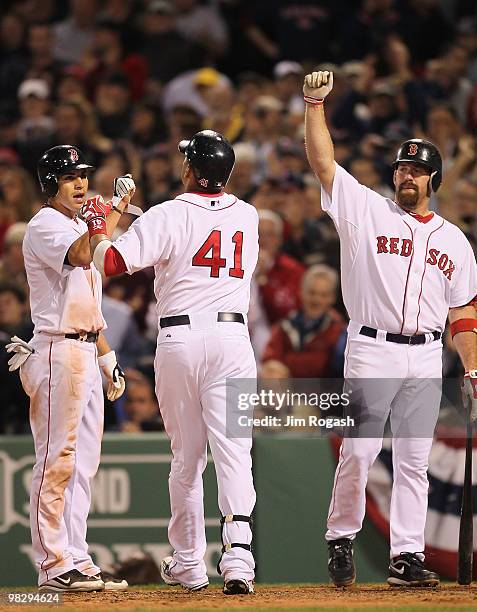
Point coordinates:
pixel 56 162
pixel 211 157
pixel 425 153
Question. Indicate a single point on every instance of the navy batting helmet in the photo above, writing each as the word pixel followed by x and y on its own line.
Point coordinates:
pixel 211 157
pixel 425 153
pixel 56 162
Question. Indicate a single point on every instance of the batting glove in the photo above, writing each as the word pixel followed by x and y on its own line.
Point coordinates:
pixel 469 394
pixel 317 85
pixel 113 372
pixel 21 351
pixel 94 212
pixel 123 185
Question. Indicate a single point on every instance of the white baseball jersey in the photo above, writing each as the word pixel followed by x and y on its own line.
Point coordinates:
pixel 198 267
pixel 398 274
pixel 63 299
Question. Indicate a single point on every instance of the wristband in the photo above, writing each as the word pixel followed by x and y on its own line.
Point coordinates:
pixel 463 325
pixel 97 225
pixel 313 101
pixel 114 204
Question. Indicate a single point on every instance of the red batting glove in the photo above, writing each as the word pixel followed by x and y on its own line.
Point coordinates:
pixel 94 212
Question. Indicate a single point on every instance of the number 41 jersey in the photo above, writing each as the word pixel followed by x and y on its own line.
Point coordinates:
pixel 204 250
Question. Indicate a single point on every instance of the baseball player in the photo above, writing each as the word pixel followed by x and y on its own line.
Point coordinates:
pixel 404 270
pixel 59 371
pixel 204 248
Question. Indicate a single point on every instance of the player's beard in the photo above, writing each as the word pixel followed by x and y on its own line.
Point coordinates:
pixel 409 198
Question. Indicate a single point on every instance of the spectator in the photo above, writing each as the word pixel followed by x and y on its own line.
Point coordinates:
pixel 35 122
pixel 141 410
pixel 13 58
pixel 43 64
pixel 14 320
pixel 167 51
pixel 113 106
pixel 242 181
pixel 288 80
pixel 12 267
pixel 309 343
pixel 74 34
pixel 17 194
pixel 203 25
pixel 365 171
pixel 191 89
pixel 106 56
pixel 278 275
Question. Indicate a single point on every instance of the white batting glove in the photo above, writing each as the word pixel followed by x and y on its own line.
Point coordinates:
pixel 113 372
pixel 469 394
pixel 123 185
pixel 21 351
pixel 318 85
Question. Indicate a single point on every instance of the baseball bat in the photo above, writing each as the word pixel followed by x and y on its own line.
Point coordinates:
pixel 466 528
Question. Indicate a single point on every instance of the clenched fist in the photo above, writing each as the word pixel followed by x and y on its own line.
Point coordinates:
pixel 318 84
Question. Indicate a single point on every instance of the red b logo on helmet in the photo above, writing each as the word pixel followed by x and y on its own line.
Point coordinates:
pixel 74 155
pixel 413 148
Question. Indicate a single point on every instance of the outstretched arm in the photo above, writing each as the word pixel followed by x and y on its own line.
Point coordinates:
pixel 318 143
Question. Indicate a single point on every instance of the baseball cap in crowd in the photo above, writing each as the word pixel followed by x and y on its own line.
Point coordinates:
pixel 268 103
pixel 383 89
pixel 34 87
pixel 284 68
pixel 206 77
pixel 161 7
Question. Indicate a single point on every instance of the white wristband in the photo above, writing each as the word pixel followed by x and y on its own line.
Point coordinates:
pixel 108 360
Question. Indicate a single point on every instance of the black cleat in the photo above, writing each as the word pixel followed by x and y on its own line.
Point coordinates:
pixel 238 586
pixel 340 562
pixel 111 583
pixel 72 581
pixel 408 570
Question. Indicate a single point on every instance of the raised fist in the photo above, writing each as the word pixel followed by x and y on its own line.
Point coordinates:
pixel 123 186
pixel 95 207
pixel 318 84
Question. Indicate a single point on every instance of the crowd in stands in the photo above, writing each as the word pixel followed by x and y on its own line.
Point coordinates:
pixel 125 80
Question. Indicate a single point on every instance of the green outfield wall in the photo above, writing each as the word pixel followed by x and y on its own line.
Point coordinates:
pixel 130 509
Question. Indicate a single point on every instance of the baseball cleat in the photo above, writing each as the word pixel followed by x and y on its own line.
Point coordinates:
pixel 111 583
pixel 408 570
pixel 169 579
pixel 340 562
pixel 238 586
pixel 72 581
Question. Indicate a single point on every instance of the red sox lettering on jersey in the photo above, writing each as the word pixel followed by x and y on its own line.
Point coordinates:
pixel 403 247
pixel 419 267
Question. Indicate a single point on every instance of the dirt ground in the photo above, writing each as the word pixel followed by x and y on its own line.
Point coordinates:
pixel 367 597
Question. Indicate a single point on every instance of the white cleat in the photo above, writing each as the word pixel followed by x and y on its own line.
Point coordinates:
pixel 169 579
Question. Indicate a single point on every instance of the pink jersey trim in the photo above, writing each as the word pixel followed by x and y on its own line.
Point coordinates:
pixel 210 209
pixel 424 272
pixel 44 463
pixel 407 277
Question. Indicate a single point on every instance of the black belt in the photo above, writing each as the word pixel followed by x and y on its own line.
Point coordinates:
pixel 88 337
pixel 399 338
pixel 222 317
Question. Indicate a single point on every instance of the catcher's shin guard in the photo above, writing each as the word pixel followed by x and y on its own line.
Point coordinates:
pixel 229 518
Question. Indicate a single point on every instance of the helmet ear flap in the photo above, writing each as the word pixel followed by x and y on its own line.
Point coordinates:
pixel 435 181
pixel 50 185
